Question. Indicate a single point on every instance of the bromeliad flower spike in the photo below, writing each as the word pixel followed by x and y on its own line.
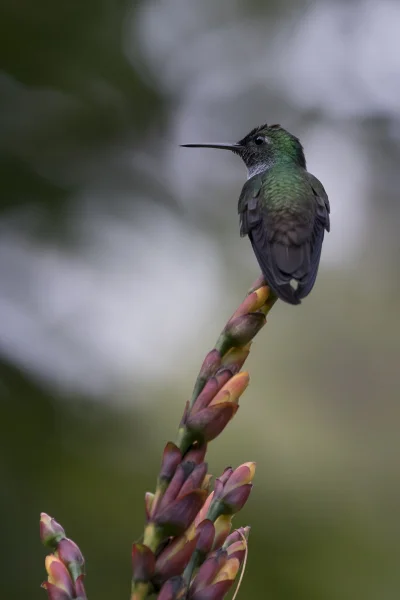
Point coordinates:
pixel 188 550
pixel 65 566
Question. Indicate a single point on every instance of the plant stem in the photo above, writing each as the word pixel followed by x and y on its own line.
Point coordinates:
pixel 140 590
pixel 152 537
pixel 192 565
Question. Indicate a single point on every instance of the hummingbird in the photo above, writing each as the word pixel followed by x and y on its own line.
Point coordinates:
pixel 283 209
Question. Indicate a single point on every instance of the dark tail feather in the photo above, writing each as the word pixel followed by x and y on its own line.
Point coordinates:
pixel 306 283
pixel 278 280
pixel 285 292
pixel 304 288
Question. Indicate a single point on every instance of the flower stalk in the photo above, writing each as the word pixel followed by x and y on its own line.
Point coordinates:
pixel 188 550
pixel 65 566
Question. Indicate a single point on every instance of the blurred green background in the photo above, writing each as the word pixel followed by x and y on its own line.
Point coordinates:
pixel 120 261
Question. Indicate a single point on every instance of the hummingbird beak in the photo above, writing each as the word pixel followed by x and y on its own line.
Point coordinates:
pixel 232 147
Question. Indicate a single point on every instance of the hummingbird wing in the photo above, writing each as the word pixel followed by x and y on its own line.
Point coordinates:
pixel 321 224
pixel 287 242
pixel 249 213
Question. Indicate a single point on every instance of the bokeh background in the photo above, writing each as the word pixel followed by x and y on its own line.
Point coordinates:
pixel 120 261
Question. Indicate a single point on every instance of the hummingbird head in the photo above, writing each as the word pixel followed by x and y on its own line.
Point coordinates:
pixel 262 147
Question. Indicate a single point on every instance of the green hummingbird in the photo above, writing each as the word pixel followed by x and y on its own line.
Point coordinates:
pixel 283 209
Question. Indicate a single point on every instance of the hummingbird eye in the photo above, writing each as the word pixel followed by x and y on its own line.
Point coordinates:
pixel 259 140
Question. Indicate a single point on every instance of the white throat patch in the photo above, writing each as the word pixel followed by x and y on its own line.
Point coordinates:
pixel 257 169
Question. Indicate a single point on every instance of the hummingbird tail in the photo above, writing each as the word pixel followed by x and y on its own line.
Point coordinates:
pixel 286 292
pixel 305 287
pixel 268 256
pixel 282 263
pixel 306 282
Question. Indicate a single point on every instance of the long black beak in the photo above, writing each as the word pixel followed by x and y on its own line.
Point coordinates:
pixel 232 147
